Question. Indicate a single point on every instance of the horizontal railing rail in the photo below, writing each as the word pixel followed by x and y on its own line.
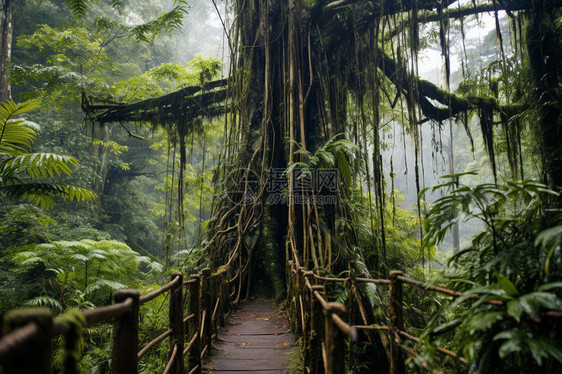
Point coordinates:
pixel 324 349
pixel 29 332
pixel 199 305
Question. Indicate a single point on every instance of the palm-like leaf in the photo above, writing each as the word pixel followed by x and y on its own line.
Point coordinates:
pixel 78 7
pixel 43 193
pixel 16 134
pixel 38 165
pixel 28 176
pixel 9 109
pixel 15 137
pixel 103 284
pixel 45 301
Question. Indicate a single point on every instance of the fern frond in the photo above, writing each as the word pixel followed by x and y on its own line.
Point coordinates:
pixel 43 193
pixel 153 266
pixel 101 284
pixel 10 109
pixel 169 21
pixel 38 165
pixel 15 137
pixel 74 245
pixel 26 258
pixel 45 301
pixel 78 7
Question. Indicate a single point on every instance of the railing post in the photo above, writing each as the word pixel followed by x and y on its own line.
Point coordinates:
pixel 126 335
pixel 194 307
pixel 214 288
pixel 335 340
pixel 306 308
pixel 206 306
pixel 300 301
pixel 292 296
pixel 176 323
pixel 316 364
pixel 397 365
pixel 223 294
pixel 34 357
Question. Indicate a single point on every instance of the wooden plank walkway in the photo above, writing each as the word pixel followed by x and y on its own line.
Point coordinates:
pixel 257 340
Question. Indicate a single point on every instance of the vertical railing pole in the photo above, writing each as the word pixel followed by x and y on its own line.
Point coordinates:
pixel 126 335
pixel 335 340
pixel 316 364
pixel 223 294
pixel 301 302
pixel 194 307
pixel 397 365
pixel 34 357
pixel 206 305
pixel 292 296
pixel 308 297
pixel 215 302
pixel 176 323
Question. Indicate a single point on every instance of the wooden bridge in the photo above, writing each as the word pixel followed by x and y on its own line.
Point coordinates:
pixel 199 306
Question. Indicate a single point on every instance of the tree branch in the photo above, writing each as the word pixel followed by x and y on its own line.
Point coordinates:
pixel 165 108
pixel 452 104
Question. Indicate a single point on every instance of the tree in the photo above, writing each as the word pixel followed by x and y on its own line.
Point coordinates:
pixel 6 30
pixel 302 73
pixel 146 31
pixel 303 70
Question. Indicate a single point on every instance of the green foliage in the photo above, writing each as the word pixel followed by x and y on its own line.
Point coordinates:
pixel 73 58
pixel 78 6
pixel 205 69
pixel 82 273
pixel 145 32
pixel 509 275
pixel 166 78
pixel 167 22
pixel 32 176
pixel 401 230
pixel 335 153
pixel 24 224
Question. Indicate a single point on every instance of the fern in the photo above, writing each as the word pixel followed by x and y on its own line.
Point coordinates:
pixel 335 153
pixel 78 7
pixel 28 176
pixel 103 284
pixel 45 301
pixel 169 21
pixel 515 260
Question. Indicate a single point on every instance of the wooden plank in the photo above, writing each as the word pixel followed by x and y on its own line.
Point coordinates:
pixel 247 364
pixel 271 371
pixel 255 329
pixel 256 341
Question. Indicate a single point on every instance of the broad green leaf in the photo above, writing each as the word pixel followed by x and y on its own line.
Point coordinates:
pixel 509 346
pixel 549 286
pixel 532 302
pixel 515 309
pixel 507 285
pixel 482 321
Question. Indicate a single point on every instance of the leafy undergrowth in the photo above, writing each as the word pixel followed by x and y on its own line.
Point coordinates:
pixel 510 277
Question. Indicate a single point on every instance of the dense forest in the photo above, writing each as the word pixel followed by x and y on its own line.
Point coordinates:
pixel 351 137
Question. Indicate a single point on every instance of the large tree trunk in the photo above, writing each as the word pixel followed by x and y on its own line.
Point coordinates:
pixel 545 57
pixel 6 30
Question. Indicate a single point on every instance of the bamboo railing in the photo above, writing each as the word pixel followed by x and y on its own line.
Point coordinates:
pixel 324 330
pixel 26 344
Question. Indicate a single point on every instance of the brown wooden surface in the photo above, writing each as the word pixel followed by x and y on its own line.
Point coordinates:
pixel 256 340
